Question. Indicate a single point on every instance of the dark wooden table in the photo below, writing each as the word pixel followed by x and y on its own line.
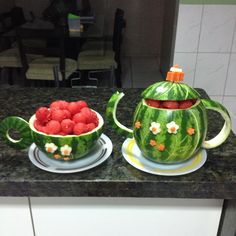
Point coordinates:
pixel 91 30
pixel 73 40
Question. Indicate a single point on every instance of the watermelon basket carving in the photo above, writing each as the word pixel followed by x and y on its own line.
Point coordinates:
pixel 56 137
pixel 170 122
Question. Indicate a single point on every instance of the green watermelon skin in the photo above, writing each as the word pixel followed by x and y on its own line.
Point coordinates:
pixel 80 145
pixel 178 147
pixel 21 126
pixel 166 90
pixel 111 116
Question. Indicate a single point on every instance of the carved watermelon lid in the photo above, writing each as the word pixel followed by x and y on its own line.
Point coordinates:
pixel 172 88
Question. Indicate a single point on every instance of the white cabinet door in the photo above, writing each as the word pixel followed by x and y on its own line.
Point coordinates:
pixel 125 216
pixel 15 218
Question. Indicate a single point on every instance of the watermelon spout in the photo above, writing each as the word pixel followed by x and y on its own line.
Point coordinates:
pixel 111 116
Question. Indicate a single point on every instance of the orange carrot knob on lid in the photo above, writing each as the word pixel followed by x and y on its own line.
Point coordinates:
pixel 175 74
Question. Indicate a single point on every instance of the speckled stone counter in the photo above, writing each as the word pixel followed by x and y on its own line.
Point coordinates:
pixel 115 177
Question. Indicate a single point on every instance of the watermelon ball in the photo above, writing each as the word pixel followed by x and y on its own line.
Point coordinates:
pixel 91 126
pixel 67 126
pixel 79 118
pixel 185 104
pixel 38 126
pixel 43 115
pixel 85 111
pixel 67 114
pixel 58 115
pixel 93 118
pixel 90 115
pixel 81 104
pixel 153 103
pixel 170 104
pixel 53 127
pixel 64 104
pixel 54 105
pixel 59 105
pixel 73 108
pixel 80 128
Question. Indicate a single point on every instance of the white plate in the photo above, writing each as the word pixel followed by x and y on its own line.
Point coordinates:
pixel 134 157
pixel 98 155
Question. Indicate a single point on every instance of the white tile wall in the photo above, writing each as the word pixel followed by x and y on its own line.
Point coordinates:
pixel 234 40
pixel 188 28
pixel 217 28
pixel 187 61
pixel 230 88
pixel 213 41
pixel 217 98
pixel 211 72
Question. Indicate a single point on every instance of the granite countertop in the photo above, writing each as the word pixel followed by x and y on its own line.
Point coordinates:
pixel 115 177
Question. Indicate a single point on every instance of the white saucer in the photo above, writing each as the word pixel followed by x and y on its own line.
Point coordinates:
pixel 134 157
pixel 98 155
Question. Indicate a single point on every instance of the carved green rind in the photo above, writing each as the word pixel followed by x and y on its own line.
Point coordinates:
pixel 111 116
pixel 21 126
pixel 167 90
pixel 214 105
pixel 178 147
pixel 225 131
pixel 80 145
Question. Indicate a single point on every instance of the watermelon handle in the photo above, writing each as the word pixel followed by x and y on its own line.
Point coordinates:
pixel 111 116
pixel 225 131
pixel 17 124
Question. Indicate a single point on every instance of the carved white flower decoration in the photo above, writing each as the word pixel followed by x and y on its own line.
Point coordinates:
pixel 50 147
pixel 65 150
pixel 155 127
pixel 172 127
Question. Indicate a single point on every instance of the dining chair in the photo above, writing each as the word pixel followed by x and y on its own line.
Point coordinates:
pixel 9 54
pixel 94 61
pixel 50 57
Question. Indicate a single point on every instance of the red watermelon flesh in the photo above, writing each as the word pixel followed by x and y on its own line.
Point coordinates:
pixel 153 103
pixel 66 118
pixel 169 104
pixel 186 104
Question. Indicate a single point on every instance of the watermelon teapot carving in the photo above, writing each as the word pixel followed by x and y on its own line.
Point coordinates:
pixel 170 122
